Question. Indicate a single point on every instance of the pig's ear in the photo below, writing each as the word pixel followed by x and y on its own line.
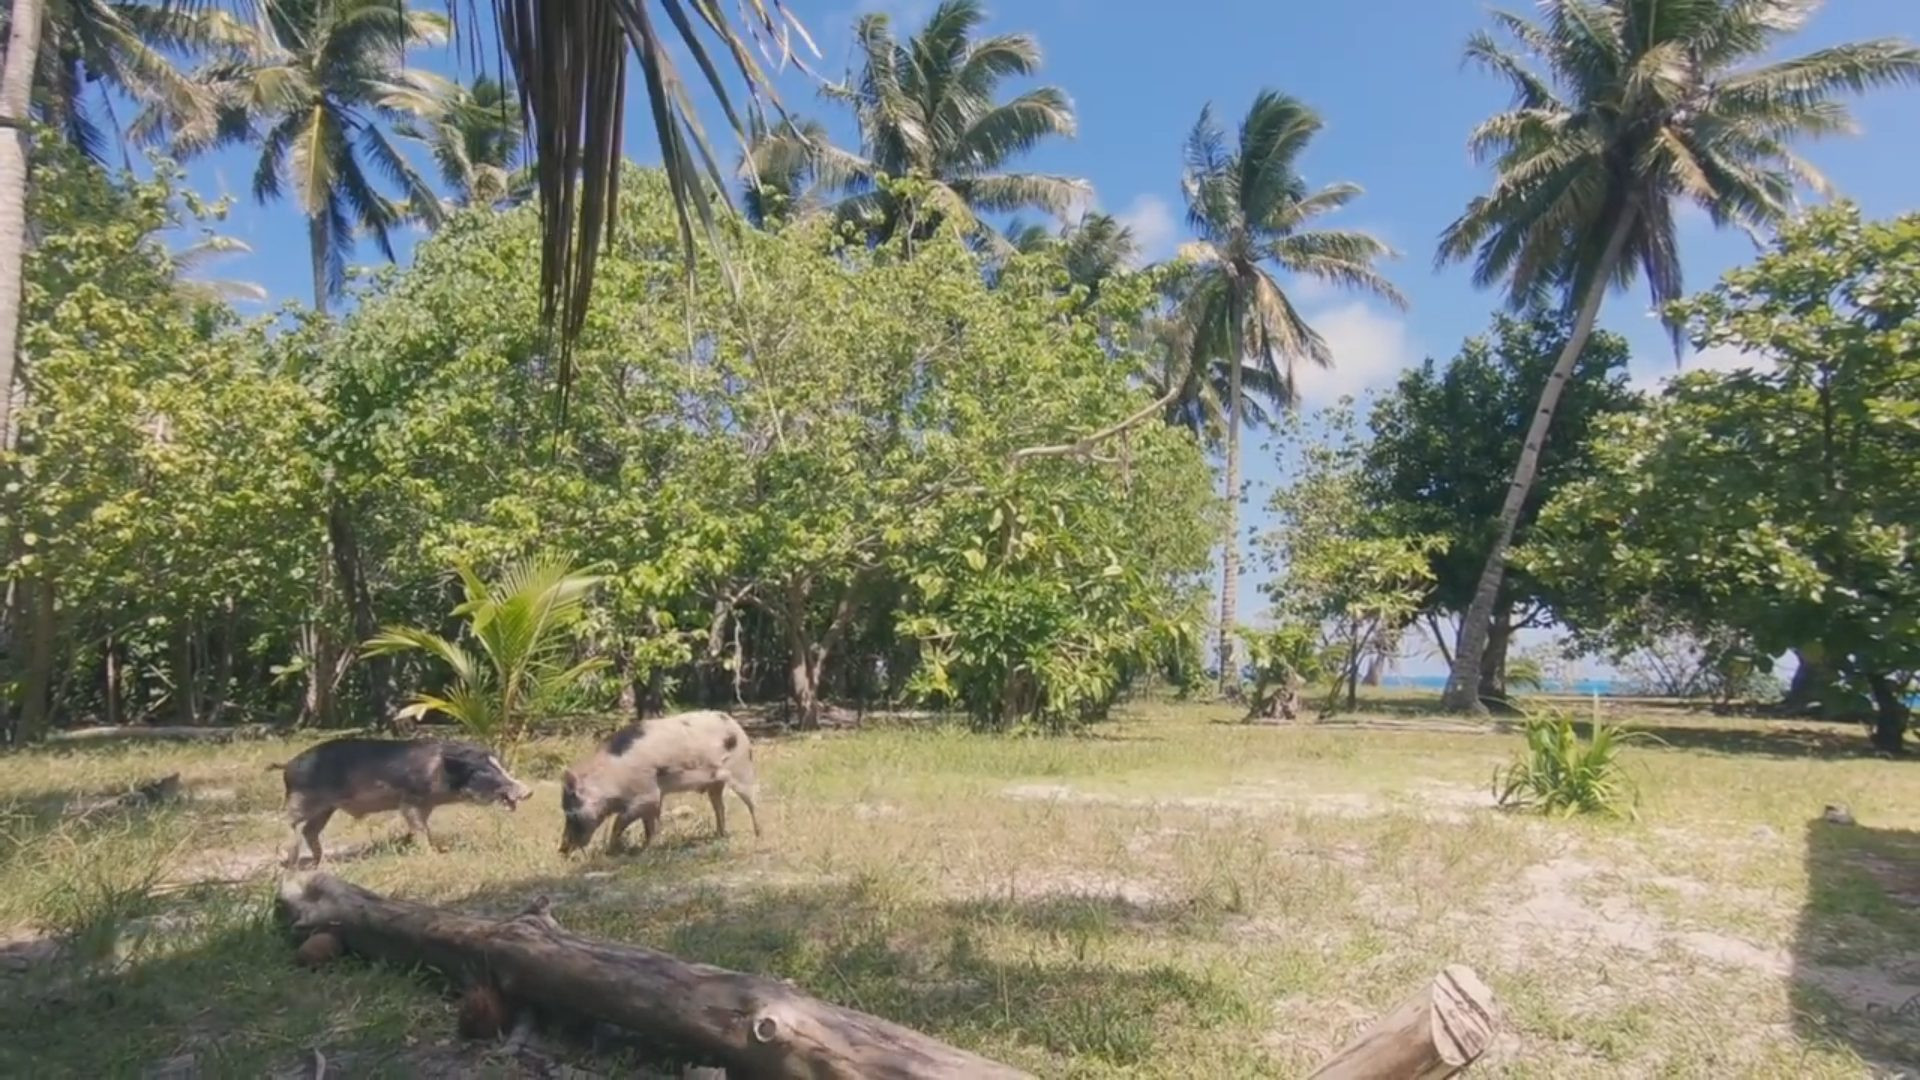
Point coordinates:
pixel 567 780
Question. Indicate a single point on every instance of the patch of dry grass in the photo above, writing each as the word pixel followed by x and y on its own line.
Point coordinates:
pixel 1171 896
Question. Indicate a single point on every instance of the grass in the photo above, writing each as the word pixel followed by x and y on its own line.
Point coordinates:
pixel 1170 896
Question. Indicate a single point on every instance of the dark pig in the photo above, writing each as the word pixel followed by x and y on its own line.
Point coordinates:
pixel 626 776
pixel 372 776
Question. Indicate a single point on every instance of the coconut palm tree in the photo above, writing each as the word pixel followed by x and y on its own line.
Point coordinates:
pixel 572 61
pixel 473 132
pixel 1252 212
pixel 1628 108
pixel 927 110
pixel 316 92
pixel 1092 249
pixel 132 49
pixel 777 169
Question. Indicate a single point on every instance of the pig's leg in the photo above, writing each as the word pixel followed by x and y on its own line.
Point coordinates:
pixel 311 833
pixel 745 790
pixel 617 837
pixel 716 793
pixel 649 823
pixel 416 818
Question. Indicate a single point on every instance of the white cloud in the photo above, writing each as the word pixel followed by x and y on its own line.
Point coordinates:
pixel 1154 226
pixel 1717 358
pixel 1370 349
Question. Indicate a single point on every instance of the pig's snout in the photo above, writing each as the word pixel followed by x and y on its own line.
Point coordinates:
pixel 517 794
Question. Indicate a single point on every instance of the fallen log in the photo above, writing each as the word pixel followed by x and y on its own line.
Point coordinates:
pixel 756 1026
pixel 151 733
pixel 1434 1033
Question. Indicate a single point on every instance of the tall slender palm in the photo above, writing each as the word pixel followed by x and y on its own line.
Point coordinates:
pixel 315 94
pixel 473 132
pixel 1251 211
pixel 1638 104
pixel 927 109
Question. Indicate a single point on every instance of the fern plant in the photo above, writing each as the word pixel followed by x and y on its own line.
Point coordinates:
pixel 522 626
pixel 1561 774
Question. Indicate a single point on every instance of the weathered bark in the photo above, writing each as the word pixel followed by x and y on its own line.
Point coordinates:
pixel 217 697
pixel 1464 679
pixel 1493 663
pixel 1890 715
pixel 1376 670
pixel 36 683
pixel 759 1026
pixel 16 144
pixel 1435 1033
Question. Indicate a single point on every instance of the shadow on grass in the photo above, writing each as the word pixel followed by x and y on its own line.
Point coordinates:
pixel 1825 742
pixel 943 968
pixel 1856 953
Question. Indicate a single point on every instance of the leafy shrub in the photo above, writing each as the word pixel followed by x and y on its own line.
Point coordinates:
pixel 1561 775
pixel 523 625
pixel 1283 659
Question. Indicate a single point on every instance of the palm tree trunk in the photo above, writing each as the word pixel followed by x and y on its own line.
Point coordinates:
pixel 1230 549
pixel 1463 681
pixel 16 96
pixel 317 248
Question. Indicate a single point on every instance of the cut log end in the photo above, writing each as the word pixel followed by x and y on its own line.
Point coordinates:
pixel 1434 1033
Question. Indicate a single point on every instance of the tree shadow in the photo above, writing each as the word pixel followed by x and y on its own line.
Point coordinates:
pixel 1834 742
pixel 931 965
pixel 1856 952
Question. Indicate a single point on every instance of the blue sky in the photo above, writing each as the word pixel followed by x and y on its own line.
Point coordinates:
pixel 1385 74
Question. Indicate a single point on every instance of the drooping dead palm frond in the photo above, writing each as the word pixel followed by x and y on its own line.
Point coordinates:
pixel 570 62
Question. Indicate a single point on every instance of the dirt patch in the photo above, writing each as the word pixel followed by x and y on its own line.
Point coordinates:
pixel 1557 907
pixel 1430 802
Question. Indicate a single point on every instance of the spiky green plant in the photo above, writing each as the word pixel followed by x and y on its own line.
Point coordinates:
pixel 522 625
pixel 1561 774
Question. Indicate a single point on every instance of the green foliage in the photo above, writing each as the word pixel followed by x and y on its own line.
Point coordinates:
pixel 161 488
pixel 1800 479
pixel 1445 438
pixel 1561 774
pixel 1283 659
pixel 525 624
pixel 1342 568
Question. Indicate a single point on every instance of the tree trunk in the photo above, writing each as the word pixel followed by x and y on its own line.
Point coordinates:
pixel 350 570
pixel 1433 1034
pixel 1230 549
pixel 186 708
pixel 1464 679
pixel 36 684
pixel 1890 715
pixel 217 698
pixel 757 1026
pixel 1812 683
pixel 1493 663
pixel 317 249
pixel 16 143
pixel 111 692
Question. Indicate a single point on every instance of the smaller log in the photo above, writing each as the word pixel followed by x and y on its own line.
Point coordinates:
pixel 1434 1033
pixel 156 733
